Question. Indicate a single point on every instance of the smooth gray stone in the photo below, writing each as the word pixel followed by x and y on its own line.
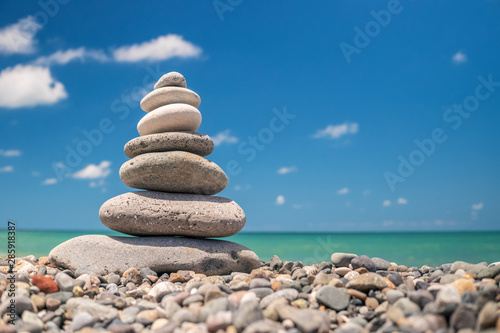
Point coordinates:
pixel 363 261
pixel 288 293
pixel 110 254
pixel 340 259
pixel 173 171
pixel 333 297
pixel 307 320
pixel 78 305
pixel 467 267
pixel 192 142
pixel 170 118
pixel 489 272
pixel 169 95
pixel 381 264
pixel 171 79
pixel 150 213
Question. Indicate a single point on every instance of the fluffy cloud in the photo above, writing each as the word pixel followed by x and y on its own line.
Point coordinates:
pixel 402 201
pixel 337 131
pixel 386 203
pixel 280 200
pixel 285 170
pixel 19 37
pixel 344 190
pixel 459 57
pixel 49 181
pixel 477 206
pixel 93 171
pixel 10 153
pixel 161 48
pixel 224 137
pixel 7 168
pixel 64 57
pixel 27 85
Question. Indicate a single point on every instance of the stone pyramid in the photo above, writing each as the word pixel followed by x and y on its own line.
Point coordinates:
pixel 166 161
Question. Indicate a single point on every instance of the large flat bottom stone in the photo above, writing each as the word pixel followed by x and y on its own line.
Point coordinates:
pixel 110 254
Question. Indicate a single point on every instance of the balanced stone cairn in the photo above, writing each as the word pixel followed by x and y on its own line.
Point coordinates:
pixel 166 161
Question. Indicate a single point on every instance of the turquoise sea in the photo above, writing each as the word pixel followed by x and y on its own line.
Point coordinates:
pixel 407 248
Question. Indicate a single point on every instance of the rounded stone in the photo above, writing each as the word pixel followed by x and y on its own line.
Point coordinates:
pixel 173 171
pixel 110 254
pixel 169 95
pixel 147 213
pixel 171 79
pixel 192 142
pixel 170 118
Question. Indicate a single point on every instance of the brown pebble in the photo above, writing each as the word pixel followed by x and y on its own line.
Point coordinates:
pixel 52 304
pixel 78 291
pixel 213 294
pixel 336 283
pixel 470 275
pixel 176 277
pixel 275 285
pixel 43 261
pixel 361 270
pixel 152 278
pixel 260 273
pixel 390 285
pixel 237 296
pixel 371 303
pixel 402 268
pixel 231 329
pixel 357 294
pixel 464 285
pixel 409 283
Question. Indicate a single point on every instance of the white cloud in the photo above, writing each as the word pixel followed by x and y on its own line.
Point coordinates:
pixel 386 203
pixel 161 48
pixel 402 201
pixel 387 223
pixel 49 181
pixel 366 193
pixel 19 37
pixel 93 171
pixel 297 206
pixel 285 170
pixel 64 57
pixel 336 131
pixel 7 168
pixel 10 153
pixel 27 85
pixel 35 173
pixel 280 200
pixel 343 191
pixel 224 137
pixel 459 57
pixel 477 206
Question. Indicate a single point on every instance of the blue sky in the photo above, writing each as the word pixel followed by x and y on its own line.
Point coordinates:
pixel 337 116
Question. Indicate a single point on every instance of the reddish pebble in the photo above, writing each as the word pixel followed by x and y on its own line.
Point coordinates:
pixel 44 283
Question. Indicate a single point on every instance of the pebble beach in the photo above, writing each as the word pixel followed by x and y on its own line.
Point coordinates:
pixel 350 293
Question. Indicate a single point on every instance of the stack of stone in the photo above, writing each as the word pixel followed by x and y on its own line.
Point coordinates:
pixel 167 162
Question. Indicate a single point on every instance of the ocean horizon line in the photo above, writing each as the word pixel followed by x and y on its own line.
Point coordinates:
pixel 272 231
